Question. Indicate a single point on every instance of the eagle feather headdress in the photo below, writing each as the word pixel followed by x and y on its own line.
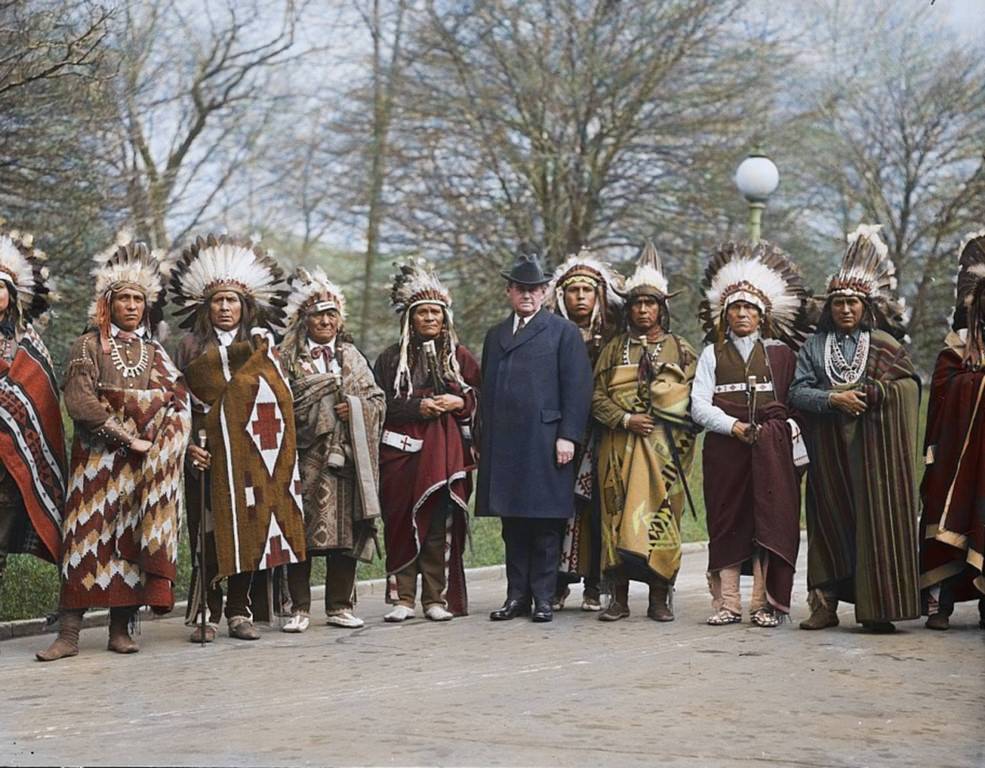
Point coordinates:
pixel 129 263
pixel 416 283
pixel 23 266
pixel 971 272
pixel 220 263
pixel 310 290
pixel 583 266
pixel 867 272
pixel 763 276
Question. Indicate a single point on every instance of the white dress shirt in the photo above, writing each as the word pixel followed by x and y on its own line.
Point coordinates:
pixel 114 329
pixel 710 416
pixel 226 337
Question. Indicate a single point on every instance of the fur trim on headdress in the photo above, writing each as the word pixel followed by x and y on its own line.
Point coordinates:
pixel 761 275
pixel 129 264
pixel 23 267
pixel 867 272
pixel 649 276
pixel 222 263
pixel 607 284
pixel 309 290
pixel 583 265
pixel 417 283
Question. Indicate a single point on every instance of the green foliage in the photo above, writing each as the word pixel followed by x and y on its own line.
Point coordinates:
pixel 29 588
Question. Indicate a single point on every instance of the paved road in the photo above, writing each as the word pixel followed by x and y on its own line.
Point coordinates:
pixel 575 692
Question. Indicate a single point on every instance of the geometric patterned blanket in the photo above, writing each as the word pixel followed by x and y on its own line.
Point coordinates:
pixel 32 443
pixel 120 543
pixel 256 485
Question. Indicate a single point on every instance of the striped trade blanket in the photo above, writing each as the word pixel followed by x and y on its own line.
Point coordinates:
pixel 862 496
pixel 32 443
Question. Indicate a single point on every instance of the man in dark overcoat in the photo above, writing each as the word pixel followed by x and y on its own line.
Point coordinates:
pixel 537 388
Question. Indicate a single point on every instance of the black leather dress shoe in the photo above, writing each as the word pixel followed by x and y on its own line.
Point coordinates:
pixel 510 610
pixel 542 613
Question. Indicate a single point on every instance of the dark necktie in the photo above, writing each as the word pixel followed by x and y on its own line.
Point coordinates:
pixel 519 326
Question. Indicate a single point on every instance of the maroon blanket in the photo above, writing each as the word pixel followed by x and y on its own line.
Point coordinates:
pixel 952 527
pixel 413 487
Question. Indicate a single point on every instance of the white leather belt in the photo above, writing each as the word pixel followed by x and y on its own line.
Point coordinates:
pixel 404 443
pixel 763 386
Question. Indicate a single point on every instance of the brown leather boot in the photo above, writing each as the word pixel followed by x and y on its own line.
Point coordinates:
pixel 618 604
pixel 824 612
pixel 659 609
pixel 119 631
pixel 67 642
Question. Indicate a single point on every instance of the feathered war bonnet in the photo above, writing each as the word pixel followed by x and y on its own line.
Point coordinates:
pixel 868 273
pixel 222 263
pixel 971 277
pixel 128 264
pixel 970 297
pixel 584 268
pixel 23 269
pixel 414 284
pixel 760 275
pixel 649 280
pixel 310 292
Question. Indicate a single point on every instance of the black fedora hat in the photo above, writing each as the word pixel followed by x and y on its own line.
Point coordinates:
pixel 526 270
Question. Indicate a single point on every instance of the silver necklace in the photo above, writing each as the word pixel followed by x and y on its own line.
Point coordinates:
pixel 838 369
pixel 653 351
pixel 128 371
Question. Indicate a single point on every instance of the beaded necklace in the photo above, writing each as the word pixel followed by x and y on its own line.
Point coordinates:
pixel 839 370
pixel 128 371
pixel 653 350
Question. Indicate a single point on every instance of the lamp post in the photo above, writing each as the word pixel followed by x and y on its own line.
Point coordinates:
pixel 757 179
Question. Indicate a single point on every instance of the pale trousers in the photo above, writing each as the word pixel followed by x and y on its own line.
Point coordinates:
pixel 731 599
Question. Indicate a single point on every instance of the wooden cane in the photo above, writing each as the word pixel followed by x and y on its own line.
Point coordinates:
pixel 202 439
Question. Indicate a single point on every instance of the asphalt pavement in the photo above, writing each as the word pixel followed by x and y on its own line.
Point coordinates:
pixel 471 692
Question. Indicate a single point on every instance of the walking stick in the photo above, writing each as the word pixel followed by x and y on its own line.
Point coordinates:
pixel 202 438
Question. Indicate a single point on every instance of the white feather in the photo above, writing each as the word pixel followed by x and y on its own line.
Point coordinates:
pixel 305 285
pixel 869 232
pixel 584 258
pixel 14 264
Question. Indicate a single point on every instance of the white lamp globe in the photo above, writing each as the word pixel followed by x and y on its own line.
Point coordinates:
pixel 757 178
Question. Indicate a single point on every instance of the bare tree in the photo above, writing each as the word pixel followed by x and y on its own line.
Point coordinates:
pixel 896 136
pixel 550 125
pixel 47 41
pixel 189 122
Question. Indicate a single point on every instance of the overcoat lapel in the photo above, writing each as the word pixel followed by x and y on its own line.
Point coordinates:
pixel 509 342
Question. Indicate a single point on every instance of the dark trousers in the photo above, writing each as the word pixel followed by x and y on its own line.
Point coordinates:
pixel 237 587
pixel 340 582
pixel 533 549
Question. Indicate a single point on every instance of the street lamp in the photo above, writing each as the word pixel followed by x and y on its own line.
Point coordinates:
pixel 757 179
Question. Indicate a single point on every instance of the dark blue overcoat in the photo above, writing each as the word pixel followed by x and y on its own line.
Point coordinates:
pixel 536 387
